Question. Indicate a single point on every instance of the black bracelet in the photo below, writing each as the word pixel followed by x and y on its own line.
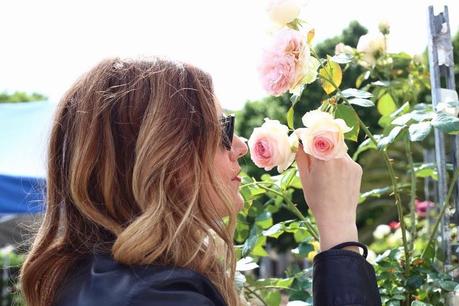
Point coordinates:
pixel 352 243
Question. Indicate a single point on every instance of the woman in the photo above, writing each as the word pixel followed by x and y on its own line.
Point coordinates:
pixel 142 168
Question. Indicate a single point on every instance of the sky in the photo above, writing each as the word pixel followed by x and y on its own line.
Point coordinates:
pixel 46 45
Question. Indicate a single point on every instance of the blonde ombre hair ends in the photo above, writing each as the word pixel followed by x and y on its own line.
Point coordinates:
pixel 130 173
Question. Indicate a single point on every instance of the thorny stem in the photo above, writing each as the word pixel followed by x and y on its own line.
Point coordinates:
pixel 412 191
pixel 292 207
pixel 256 295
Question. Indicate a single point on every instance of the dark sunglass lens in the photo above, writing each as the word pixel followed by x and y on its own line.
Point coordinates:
pixel 228 131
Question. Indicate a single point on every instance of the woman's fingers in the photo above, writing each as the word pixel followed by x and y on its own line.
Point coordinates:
pixel 303 159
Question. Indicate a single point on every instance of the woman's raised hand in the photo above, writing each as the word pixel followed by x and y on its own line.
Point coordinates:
pixel 331 189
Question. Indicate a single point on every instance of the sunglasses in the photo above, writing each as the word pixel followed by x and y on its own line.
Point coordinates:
pixel 227 123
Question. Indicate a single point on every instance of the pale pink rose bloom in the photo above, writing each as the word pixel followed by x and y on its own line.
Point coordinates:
pixel 306 70
pixel 278 68
pixel 270 146
pixel 277 72
pixel 372 46
pixel 324 136
pixel 283 11
pixel 289 41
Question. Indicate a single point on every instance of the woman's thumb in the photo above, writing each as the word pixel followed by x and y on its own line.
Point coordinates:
pixel 303 159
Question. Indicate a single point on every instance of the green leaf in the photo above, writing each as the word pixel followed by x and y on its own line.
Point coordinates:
pixel 362 102
pixel 361 78
pixel 272 298
pixel 447 285
pixel 414 281
pixel 274 231
pixel 301 234
pixel 351 118
pixel 387 140
pixel 252 192
pixel 264 220
pixel 280 283
pixel 258 249
pixel 367 144
pixel 423 107
pixel 386 105
pixel 399 297
pixel 385 121
pixel 419 131
pixel 415 115
pixel 422 115
pixel 405 108
pixel 331 72
pixel 304 249
pixel 242 231
pixel 402 120
pixel 299 231
pixel 419 303
pixel 426 170
pixel 296 182
pixel 446 123
pixel 356 93
pixel 287 178
pixel 295 24
pixel 250 243
pixel 290 114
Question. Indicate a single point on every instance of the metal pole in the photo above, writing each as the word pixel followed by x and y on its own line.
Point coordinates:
pixel 451 84
pixel 435 27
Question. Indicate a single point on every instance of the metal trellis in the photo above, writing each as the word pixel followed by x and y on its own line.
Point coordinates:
pixel 441 64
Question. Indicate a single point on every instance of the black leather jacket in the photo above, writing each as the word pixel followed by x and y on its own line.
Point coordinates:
pixel 341 278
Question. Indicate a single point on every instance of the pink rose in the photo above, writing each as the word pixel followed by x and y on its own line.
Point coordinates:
pixel 278 68
pixel 277 72
pixel 323 136
pixel 423 207
pixel 271 146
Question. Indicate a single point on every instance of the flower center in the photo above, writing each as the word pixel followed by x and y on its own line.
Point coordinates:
pixel 322 144
pixel 262 149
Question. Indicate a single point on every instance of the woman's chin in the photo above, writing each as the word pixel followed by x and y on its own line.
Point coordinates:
pixel 239 202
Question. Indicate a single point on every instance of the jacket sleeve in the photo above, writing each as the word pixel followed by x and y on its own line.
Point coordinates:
pixel 176 288
pixel 344 278
pixel 169 297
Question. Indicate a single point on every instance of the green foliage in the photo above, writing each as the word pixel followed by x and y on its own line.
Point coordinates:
pixel 10 263
pixel 21 96
pixel 349 115
pixel 424 283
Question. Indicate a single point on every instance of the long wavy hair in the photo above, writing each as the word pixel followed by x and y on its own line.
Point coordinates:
pixel 130 173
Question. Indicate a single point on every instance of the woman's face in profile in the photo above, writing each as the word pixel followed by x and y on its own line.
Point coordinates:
pixel 227 168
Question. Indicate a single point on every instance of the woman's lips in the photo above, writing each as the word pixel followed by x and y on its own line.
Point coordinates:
pixel 237 178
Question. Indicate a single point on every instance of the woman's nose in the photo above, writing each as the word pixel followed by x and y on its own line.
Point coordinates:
pixel 239 146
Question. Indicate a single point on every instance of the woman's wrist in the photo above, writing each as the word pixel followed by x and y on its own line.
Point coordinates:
pixel 333 233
